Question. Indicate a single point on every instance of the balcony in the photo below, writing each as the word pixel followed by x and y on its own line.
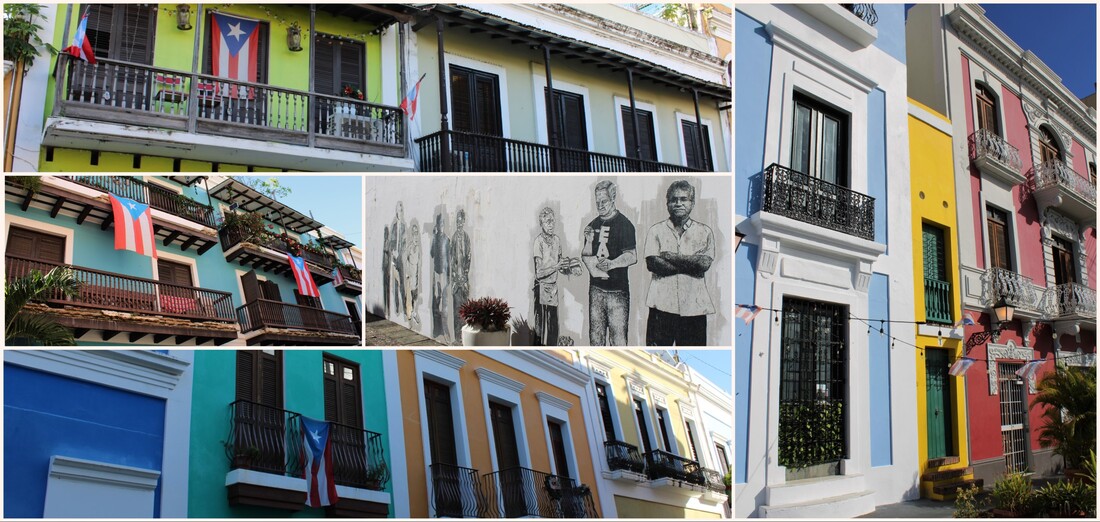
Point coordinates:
pixel 137 306
pixel 716 487
pixel 456 492
pixel 129 95
pixel 1015 289
pixel 350 280
pixel 472 152
pixel 1055 185
pixel 268 252
pixel 623 457
pixel 667 469
pixel 266 468
pixel 815 201
pixel 993 155
pixel 285 323
pixel 522 492
pixel 937 301
pixel 865 12
pixel 179 222
pixel 1072 302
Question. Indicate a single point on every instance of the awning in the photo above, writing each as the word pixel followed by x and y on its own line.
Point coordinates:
pixel 249 199
pixel 336 243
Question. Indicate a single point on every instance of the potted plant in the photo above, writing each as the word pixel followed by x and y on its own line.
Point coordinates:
pixel 486 322
pixel 1012 495
pixel 244 457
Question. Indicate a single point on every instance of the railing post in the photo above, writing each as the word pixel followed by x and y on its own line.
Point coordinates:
pixel 311 114
pixel 444 123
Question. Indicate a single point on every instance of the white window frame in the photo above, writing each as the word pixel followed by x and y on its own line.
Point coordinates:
pixel 601 373
pixel 647 415
pixel 183 260
pixel 506 391
pixel 491 68
pixel 1010 226
pixel 621 102
pixel 40 226
pixel 444 369
pixel 539 84
pixel 556 410
pixel 682 117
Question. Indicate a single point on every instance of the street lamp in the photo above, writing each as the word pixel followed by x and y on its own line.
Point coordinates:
pixel 1002 313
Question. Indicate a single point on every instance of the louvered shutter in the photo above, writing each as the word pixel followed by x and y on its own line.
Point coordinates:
pixel 694 150
pixel 645 138
pixel 134 31
pixel 271 379
pixel 351 65
pixel 350 411
pixel 324 66
pixel 251 286
pixel 460 100
pixel 605 412
pixel 246 375
pixel 270 290
pixel 488 104
pixel 98 31
pixel 36 245
pixel 332 407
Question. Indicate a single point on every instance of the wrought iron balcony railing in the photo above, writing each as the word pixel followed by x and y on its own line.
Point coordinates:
pixel 1055 173
pixel 621 455
pixel 865 12
pixel 662 464
pixel 232 236
pixel 264 313
pixel 815 201
pixel 987 144
pixel 456 492
pixel 117 292
pixel 523 492
pixel 155 196
pixel 470 152
pixel 1070 299
pixel 129 93
pixel 937 301
pixel 1015 289
pixel 268 439
pixel 714 481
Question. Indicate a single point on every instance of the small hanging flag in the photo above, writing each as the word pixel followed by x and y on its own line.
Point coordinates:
pixel 1027 371
pixel 748 312
pixel 82 46
pixel 965 321
pixel 960 366
pixel 409 103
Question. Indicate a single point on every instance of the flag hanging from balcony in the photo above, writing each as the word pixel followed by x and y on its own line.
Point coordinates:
pixel 234 45
pixel 339 278
pixel 960 366
pixel 133 226
pixel 409 103
pixel 1027 371
pixel 306 286
pixel 82 47
pixel 317 455
pixel 748 312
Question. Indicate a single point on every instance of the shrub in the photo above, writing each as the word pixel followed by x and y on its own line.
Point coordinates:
pixel 489 313
pixel 1065 499
pixel 1012 492
pixel 967 504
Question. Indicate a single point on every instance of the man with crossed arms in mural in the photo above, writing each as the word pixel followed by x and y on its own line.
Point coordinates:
pixel 678 252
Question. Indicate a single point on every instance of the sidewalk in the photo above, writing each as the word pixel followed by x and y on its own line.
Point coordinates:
pixel 920 508
pixel 380 332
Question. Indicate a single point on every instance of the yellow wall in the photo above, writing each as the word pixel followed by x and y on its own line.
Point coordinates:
pixel 933 201
pixel 477 435
pixel 634 508
pixel 660 376
pixel 77 160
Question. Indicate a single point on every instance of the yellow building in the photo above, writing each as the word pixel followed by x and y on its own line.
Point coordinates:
pixel 941 400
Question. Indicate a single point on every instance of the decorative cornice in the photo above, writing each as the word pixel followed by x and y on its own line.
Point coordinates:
pixel 552 364
pixel 546 398
pixel 995 352
pixel 118 368
pixel 449 361
pixel 487 375
pixel 70 468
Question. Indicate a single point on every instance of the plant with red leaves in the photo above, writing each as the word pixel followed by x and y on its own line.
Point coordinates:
pixel 491 314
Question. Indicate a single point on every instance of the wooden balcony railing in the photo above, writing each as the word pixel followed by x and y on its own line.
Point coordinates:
pixel 135 94
pixel 662 464
pixel 456 492
pixel 232 236
pixel 155 196
pixel 263 313
pixel 123 293
pixel 621 455
pixel 523 492
pixel 350 274
pixel 815 201
pixel 937 301
pixel 472 152
pixel 268 439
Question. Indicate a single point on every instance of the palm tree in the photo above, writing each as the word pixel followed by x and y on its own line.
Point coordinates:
pixel 36 327
pixel 1070 417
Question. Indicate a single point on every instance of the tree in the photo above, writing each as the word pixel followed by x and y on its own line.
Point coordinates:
pixel 1069 425
pixel 691 16
pixel 36 327
pixel 21 40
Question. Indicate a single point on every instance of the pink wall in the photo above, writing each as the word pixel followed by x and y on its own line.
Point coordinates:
pixel 1090 256
pixel 1080 163
pixel 975 178
pixel 1028 228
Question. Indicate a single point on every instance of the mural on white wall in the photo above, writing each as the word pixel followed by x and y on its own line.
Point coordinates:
pixel 638 261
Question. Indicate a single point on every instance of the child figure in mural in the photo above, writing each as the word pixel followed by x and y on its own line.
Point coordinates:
pixel 548 263
pixel 678 252
pixel 460 270
pixel 609 248
pixel 438 254
pixel 386 268
pixel 412 275
pixel 397 253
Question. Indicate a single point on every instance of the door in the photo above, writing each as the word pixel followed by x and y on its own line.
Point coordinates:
pixel 344 407
pixel 353 312
pixel 177 294
pixel 230 100
pixel 937 291
pixel 572 132
pixel 1048 146
pixel 938 403
pixel 259 420
pixel 647 141
pixel 121 33
pixel 475 107
pixel 1064 270
pixel 274 313
pixel 557 444
pixel 605 412
pixel 250 285
pixel 339 64
pixel 1013 416
pixel 447 486
pixel 697 153
pixel 997 223
pixel 987 111
pixel 509 473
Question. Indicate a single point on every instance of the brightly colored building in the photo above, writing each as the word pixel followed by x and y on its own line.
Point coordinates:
pixel 665 431
pixel 245 452
pixel 221 274
pixel 96 433
pixel 942 447
pixel 1024 163
pixel 824 405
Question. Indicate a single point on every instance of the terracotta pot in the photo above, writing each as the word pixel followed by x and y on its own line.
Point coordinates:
pixel 475 336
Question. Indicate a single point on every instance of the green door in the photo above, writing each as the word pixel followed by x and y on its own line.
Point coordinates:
pixel 938 407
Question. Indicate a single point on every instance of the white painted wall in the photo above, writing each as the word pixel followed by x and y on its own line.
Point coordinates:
pixel 502 222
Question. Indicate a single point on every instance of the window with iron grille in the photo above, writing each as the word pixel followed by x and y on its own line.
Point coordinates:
pixel 1013 416
pixel 813 383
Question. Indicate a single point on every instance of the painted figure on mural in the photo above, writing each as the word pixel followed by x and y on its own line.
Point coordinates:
pixel 397 253
pixel 412 274
pixel 548 263
pixel 609 248
pixel 386 268
pixel 460 270
pixel 678 253
pixel 440 264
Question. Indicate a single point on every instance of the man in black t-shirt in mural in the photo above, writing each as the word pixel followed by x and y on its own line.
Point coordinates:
pixel 609 248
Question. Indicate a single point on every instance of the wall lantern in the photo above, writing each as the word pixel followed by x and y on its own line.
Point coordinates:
pixel 1002 314
pixel 294 37
pixel 183 17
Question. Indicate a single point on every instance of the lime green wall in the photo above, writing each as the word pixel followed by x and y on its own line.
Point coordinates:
pixel 77 160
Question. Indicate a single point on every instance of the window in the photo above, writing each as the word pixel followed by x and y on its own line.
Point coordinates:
pixel 639 415
pixel 122 32
pixel 557 443
pixel 819 145
pixel 507 453
pixel 572 131
pixel 1048 146
pixel 723 460
pixel 1064 266
pixel 698 154
pixel 336 63
pixel 441 427
pixel 987 110
pixel 174 273
pixel 343 392
pixel 646 138
pixel 35 245
pixel 997 222
pixel 260 377
pixel 691 441
pixel 662 427
pixel 475 101
pixel 1092 173
pixel 605 412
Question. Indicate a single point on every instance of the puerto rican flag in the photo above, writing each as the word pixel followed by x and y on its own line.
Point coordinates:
pixel 133 226
pixel 409 103
pixel 747 312
pixel 306 286
pixel 234 44
pixel 82 47
pixel 317 455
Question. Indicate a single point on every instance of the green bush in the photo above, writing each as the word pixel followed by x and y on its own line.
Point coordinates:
pixel 1013 493
pixel 967 504
pixel 810 433
pixel 1065 499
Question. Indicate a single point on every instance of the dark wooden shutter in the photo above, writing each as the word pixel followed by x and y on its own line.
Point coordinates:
pixel 174 273
pixel 722 458
pixel 251 286
pixel 306 300
pixel 557 442
pixel 1064 270
pixel 639 416
pixel 475 101
pixel 353 310
pixel 342 392
pixel 572 131
pixel 270 290
pixel 488 104
pixel 260 377
pixel 441 429
pixel 324 66
pixel 246 375
pixel 134 29
pixel 351 64
pixel 697 154
pixel 998 239
pixel 504 435
pixel 605 412
pixel 987 110
pixel 691 441
pixel 646 138
pixel 662 427
pixel 1048 146
pixel 98 31
pixel 36 245
pixel 461 108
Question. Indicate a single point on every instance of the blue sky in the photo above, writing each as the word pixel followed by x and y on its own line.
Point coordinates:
pixel 336 201
pixel 716 365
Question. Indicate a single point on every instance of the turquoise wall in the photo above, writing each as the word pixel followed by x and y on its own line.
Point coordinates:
pixel 214 390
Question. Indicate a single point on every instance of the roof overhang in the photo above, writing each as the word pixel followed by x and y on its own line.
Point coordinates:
pixel 249 199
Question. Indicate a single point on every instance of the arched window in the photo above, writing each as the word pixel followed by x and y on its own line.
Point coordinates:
pixel 1048 146
pixel 987 110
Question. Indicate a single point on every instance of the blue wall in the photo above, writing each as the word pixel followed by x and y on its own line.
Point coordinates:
pixel 753 73
pixel 876 161
pixel 882 448
pixel 744 290
pixel 46 415
pixel 891 30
